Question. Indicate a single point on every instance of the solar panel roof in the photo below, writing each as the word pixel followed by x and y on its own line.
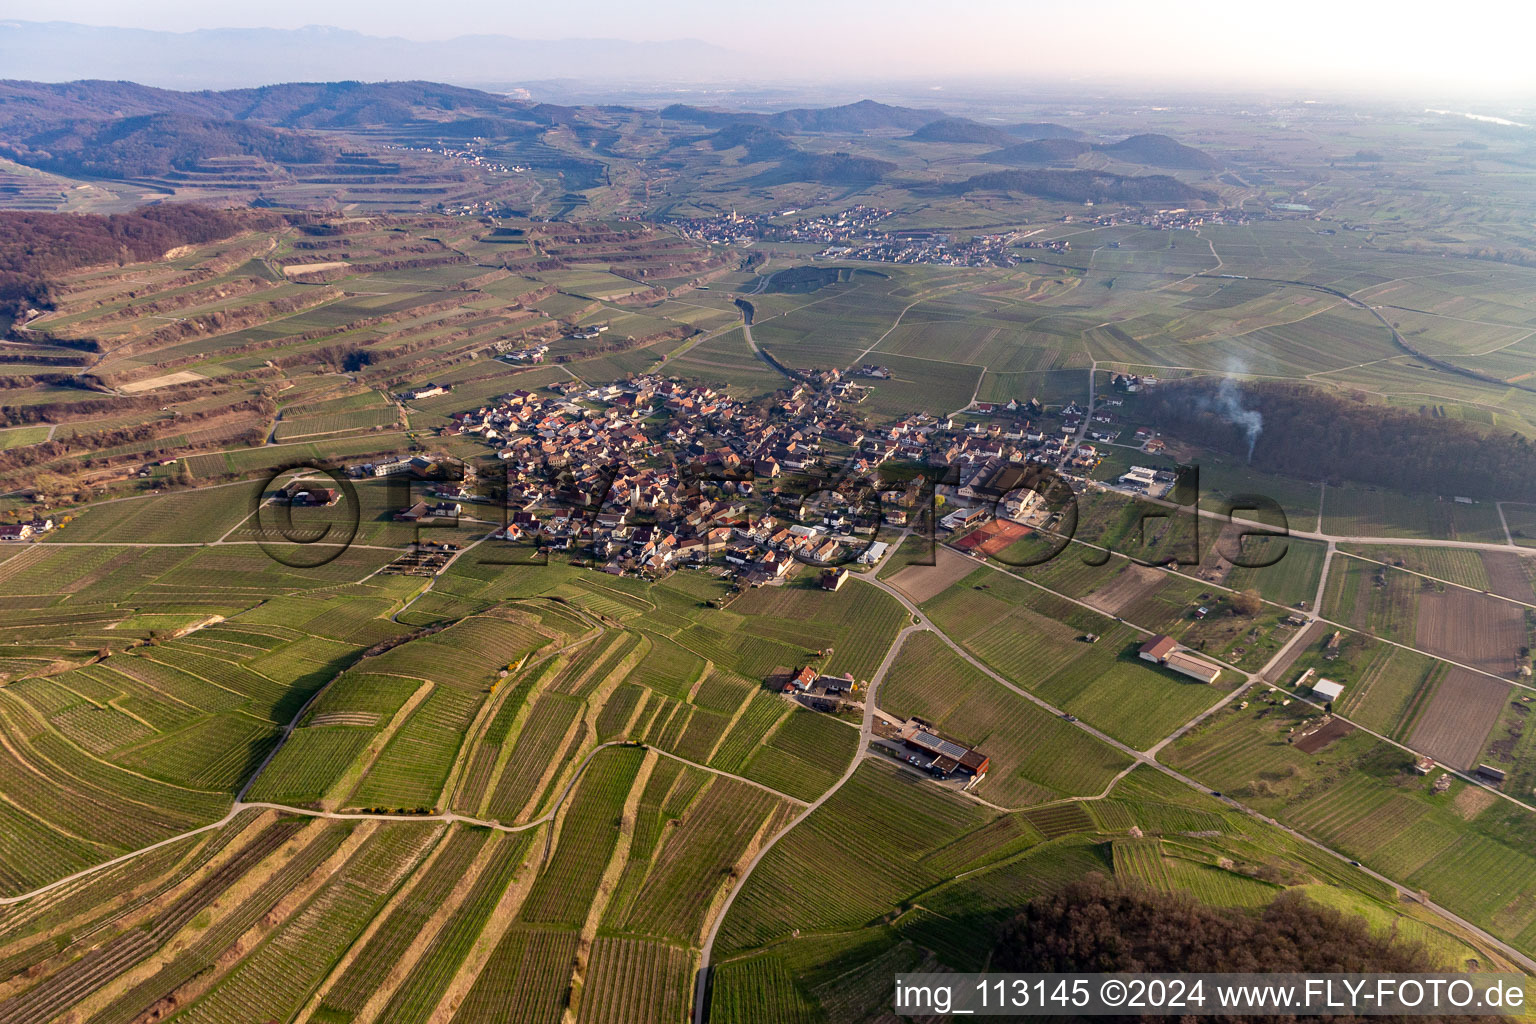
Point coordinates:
pixel 939 745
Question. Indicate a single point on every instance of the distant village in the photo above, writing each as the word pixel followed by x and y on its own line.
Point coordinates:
pixel 852 234
pixel 1164 220
pixel 939 249
pixel 853 224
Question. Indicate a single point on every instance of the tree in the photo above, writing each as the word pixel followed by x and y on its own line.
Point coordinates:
pixel 1247 603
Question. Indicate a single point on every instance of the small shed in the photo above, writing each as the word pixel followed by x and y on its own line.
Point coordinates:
pixel 1327 689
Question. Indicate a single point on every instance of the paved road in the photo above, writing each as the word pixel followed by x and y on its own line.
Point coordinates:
pixel 1318 535
pixel 866 730
pixel 1149 758
pixel 920 624
pixel 746 330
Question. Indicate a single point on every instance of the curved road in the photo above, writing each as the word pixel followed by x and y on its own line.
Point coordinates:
pixel 1147 757
pixel 866 730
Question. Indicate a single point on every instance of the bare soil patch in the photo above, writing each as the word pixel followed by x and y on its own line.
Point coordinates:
pixel 1471 628
pixel 921 582
pixel 1507 575
pixel 1317 739
pixel 300 269
pixel 1464 709
pixel 1134 583
pixel 1472 801
pixel 155 383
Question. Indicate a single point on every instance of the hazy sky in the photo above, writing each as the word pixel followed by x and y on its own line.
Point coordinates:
pixel 1482 45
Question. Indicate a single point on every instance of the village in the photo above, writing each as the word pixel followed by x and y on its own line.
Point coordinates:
pixel 648 474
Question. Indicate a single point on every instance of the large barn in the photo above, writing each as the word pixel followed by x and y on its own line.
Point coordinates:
pixel 1168 652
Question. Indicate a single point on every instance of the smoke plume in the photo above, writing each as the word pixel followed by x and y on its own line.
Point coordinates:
pixel 1228 403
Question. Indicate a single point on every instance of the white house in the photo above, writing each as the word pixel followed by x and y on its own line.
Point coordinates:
pixel 873 553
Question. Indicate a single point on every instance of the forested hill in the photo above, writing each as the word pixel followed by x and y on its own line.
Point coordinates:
pixel 1160 151
pixel 1094 925
pixel 155 144
pixel 1313 434
pixel 1079 186
pixel 35 246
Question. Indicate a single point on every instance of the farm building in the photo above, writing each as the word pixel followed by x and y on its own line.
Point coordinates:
pixel 873 553
pixel 1158 648
pixel 801 680
pixel 835 685
pixel 947 755
pixel 1327 689
pixel 304 492
pixel 963 517
pixel 1139 476
pixel 429 510
pixel 1168 652
pixel 1189 665
pixel 833 579
pixel 808 681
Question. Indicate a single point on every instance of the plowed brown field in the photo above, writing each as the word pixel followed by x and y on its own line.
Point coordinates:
pixel 1472 628
pixel 1465 707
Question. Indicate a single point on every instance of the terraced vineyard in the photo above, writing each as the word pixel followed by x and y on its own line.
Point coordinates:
pixel 600 786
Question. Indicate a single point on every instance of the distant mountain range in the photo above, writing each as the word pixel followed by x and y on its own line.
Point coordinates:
pixel 237 57
pixel 120 129
pixel 863 116
pixel 123 130
pixel 322 105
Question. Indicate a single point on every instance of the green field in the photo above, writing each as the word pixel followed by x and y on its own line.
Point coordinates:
pixel 1034 640
pixel 1035 755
